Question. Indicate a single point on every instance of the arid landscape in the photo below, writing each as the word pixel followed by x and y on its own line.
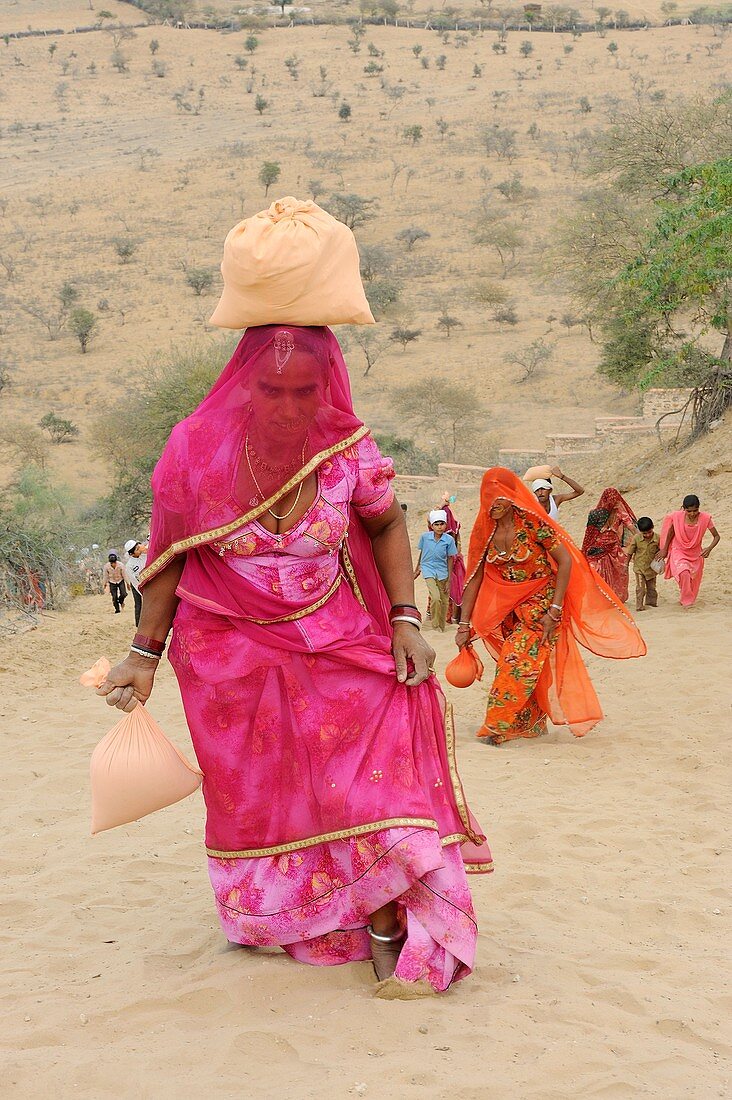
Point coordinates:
pixel 124 160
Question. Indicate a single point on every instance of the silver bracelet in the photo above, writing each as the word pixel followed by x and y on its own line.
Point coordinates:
pixel 406 619
pixel 142 653
pixel 559 606
pixel 463 624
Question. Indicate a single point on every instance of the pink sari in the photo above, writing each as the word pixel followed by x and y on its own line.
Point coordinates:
pixel 330 788
pixel 684 561
pixel 457 581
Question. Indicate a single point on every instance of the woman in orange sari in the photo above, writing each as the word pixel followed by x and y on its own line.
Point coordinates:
pixel 531 597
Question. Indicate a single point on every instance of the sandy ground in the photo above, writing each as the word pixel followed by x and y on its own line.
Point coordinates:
pixel 604 931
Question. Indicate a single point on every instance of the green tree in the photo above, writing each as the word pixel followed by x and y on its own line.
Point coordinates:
pixel 446 322
pixel 261 104
pixel 407 456
pixel 344 112
pixel 251 43
pixel 404 336
pixel 353 210
pixel 269 173
pixel 199 279
pixel 83 324
pixel 412 133
pixel 679 285
pixel 125 247
pixel 59 429
pixel 171 386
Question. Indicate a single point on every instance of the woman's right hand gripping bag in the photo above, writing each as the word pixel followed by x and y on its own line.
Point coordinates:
pixel 134 769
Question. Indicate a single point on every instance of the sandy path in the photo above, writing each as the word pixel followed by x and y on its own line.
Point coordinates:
pixel 602 948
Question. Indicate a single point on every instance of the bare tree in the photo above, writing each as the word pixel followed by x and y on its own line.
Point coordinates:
pixel 412 235
pixel 504 237
pixel 371 343
pixel 453 406
pixel 531 358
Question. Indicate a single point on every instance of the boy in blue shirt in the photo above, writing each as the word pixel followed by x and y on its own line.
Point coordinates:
pixel 437 552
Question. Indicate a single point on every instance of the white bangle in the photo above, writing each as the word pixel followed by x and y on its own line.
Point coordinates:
pixel 406 619
pixel 142 653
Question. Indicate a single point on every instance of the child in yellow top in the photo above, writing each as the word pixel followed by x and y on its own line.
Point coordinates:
pixel 642 551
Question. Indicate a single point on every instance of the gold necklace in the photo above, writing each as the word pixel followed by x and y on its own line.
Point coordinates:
pixel 296 501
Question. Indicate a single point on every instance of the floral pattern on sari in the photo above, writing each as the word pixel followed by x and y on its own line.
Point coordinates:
pixel 512 710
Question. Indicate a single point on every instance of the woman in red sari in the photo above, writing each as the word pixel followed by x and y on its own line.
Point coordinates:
pixel 336 823
pixel 531 597
pixel 682 535
pixel 610 527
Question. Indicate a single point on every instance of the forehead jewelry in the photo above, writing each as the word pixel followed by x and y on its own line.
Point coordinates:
pixel 284 345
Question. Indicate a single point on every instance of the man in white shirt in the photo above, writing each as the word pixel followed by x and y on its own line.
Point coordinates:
pixel 543 490
pixel 136 559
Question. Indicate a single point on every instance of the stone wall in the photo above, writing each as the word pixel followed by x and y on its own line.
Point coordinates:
pixel 520 461
pixel 453 474
pixel 658 402
pixel 571 444
pixel 410 486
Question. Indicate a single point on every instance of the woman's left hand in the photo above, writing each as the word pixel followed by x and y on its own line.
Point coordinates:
pixel 409 645
pixel 549 625
pixel 707 552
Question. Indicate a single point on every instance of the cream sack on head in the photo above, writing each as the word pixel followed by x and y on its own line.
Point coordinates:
pixel 293 264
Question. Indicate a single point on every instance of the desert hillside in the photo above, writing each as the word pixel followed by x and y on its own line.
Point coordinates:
pixel 120 180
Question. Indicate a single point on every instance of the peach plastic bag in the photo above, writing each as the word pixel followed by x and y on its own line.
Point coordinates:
pixel 135 769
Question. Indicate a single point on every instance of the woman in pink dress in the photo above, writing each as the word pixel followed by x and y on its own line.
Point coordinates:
pixel 336 822
pixel 682 534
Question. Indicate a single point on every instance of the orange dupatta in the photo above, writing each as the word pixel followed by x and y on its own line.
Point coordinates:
pixel 593 615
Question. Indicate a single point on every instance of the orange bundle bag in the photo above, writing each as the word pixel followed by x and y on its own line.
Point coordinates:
pixel 134 769
pixel 464 669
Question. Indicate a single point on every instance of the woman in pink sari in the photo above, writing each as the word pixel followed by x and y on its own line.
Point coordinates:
pixel 457 577
pixel 610 526
pixel 682 534
pixel 336 822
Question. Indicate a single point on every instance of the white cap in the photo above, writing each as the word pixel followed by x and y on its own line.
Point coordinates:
pixel 438 516
pixel 130 545
pixel 541 483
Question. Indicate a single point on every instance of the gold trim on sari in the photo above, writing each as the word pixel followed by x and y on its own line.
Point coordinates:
pixel 351 575
pixel 357 830
pixel 324 838
pixel 205 537
pixel 457 786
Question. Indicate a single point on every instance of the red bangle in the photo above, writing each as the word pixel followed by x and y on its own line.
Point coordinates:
pixel 405 609
pixel 148 643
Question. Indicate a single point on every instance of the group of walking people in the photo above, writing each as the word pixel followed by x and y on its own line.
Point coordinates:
pixel 337 826
pixel 615 538
pixel 118 575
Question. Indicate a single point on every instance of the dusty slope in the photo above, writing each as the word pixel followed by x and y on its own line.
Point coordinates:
pixel 603 931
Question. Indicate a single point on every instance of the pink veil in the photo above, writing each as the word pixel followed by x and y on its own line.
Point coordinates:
pixel 196 483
